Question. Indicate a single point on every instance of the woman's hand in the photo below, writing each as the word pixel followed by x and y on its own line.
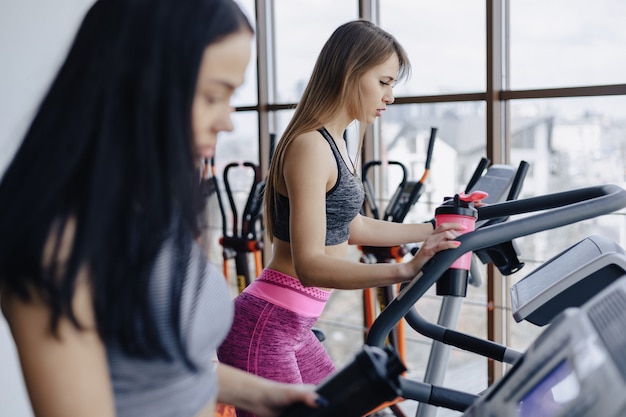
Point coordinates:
pixel 261 396
pixel 279 396
pixel 442 238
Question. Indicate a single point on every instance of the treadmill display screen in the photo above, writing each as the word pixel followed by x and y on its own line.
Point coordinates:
pixel 552 394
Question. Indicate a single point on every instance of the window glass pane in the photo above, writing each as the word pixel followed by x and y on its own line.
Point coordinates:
pixel 567 43
pixel 239 146
pixel 445 41
pixel 460 144
pixel 246 95
pixel 242 144
pixel 569 143
pixel 280 120
pixel 301 29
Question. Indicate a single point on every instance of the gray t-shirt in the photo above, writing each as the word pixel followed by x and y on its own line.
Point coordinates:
pixel 168 388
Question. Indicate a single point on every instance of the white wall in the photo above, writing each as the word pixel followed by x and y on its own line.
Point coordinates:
pixel 34 37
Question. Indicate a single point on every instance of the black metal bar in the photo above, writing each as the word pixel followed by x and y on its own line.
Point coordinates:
pixel 559 209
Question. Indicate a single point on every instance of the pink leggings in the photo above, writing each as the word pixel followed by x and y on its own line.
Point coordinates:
pixel 271 334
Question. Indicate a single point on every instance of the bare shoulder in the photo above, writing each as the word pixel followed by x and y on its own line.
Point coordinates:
pixel 309 141
pixel 57 251
pixel 309 149
pixel 65 370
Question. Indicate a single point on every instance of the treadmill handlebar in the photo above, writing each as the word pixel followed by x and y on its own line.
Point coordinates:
pixel 434 395
pixel 556 210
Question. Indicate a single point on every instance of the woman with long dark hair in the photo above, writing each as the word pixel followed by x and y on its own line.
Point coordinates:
pixel 110 301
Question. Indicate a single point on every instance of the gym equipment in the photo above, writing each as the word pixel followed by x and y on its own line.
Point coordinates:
pixel 556 210
pixel 366 382
pixel 246 235
pixel 500 182
pixel 404 198
pixel 576 368
pixel 406 194
pixel 242 239
pixel 567 280
pixel 496 180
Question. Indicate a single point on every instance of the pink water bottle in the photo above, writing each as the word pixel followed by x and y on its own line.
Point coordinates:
pixel 458 209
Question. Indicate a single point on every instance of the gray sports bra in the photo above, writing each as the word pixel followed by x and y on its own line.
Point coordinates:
pixel 343 202
pixel 161 387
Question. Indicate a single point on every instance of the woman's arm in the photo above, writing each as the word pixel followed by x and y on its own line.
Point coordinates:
pixel 66 376
pixel 371 232
pixel 263 397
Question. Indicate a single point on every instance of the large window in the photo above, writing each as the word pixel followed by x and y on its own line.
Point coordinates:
pixel 548 88
pixel 569 43
pixel 570 143
pixel 300 30
pixel 445 41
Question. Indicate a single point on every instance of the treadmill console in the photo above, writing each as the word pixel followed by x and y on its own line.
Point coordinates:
pixel 569 279
pixel 576 367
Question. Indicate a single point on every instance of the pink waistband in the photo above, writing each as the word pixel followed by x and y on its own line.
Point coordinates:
pixel 287 292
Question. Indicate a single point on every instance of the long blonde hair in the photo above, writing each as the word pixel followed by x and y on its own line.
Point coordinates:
pixel 352 50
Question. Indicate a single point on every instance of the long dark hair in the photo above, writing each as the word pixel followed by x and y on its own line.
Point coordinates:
pixel 110 150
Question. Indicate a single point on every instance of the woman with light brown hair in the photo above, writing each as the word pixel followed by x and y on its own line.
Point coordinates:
pixel 313 197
